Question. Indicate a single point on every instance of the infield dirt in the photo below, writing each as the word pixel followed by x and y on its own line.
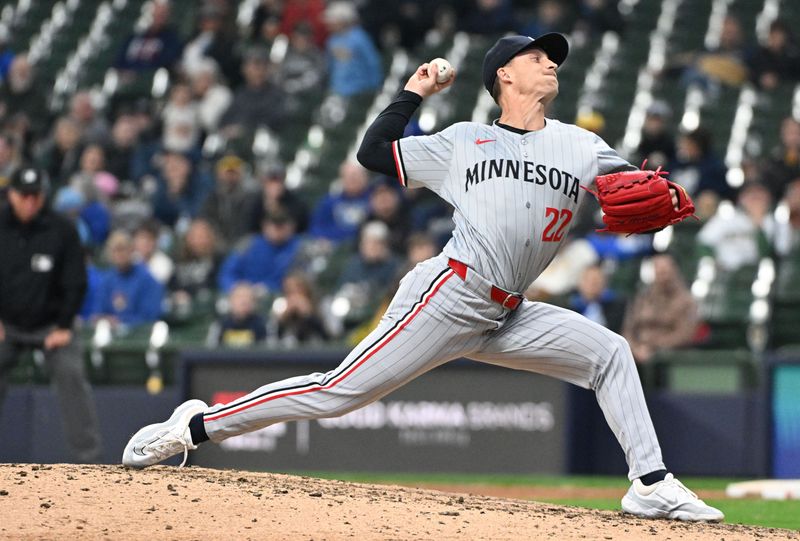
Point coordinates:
pixel 66 501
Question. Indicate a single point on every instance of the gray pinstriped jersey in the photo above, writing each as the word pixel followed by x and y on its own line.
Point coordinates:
pixel 514 194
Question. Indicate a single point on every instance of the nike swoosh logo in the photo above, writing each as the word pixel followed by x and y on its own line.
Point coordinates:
pixel 482 141
pixel 140 450
pixel 669 500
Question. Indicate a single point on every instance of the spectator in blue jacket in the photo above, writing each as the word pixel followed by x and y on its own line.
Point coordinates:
pixel 488 17
pixel 268 257
pixel 158 46
pixel 619 247
pixel 128 295
pixel 596 301
pixel 6 54
pixel 697 167
pixel 94 280
pixel 338 215
pixel 353 60
pixel 70 203
pixel 550 16
pixel 180 191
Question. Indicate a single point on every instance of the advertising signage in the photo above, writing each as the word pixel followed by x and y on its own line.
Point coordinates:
pixel 462 417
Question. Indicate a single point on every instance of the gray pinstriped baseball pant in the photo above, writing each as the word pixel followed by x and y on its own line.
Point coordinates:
pixel 436 317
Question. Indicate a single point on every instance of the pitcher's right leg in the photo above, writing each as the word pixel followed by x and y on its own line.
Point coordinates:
pixel 563 344
pixel 560 343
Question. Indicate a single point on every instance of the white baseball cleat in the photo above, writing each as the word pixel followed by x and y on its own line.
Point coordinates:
pixel 668 499
pixel 157 442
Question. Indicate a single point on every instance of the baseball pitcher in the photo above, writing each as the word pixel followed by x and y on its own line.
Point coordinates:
pixel 515 185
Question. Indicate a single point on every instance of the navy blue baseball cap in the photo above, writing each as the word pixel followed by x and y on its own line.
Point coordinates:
pixel 554 44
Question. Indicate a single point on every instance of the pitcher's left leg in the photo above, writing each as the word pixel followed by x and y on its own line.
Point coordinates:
pixel 542 338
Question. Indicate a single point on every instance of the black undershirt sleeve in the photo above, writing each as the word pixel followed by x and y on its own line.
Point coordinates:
pixel 375 152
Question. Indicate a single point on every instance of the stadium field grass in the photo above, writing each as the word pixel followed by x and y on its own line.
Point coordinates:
pixel 773 514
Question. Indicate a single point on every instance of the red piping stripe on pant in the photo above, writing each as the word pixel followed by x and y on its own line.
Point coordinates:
pixel 367 355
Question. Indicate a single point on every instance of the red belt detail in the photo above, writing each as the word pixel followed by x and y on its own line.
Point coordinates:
pixel 498 295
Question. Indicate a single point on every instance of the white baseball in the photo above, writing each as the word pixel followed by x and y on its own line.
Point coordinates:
pixel 445 69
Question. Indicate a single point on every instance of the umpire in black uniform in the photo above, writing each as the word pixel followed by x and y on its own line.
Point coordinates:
pixel 42 285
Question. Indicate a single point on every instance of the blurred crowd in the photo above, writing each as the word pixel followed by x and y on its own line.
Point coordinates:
pixel 174 232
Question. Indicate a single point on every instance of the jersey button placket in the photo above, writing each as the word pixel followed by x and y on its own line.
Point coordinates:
pixel 527 241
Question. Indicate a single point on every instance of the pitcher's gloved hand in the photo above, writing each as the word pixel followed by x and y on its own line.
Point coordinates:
pixel 641 201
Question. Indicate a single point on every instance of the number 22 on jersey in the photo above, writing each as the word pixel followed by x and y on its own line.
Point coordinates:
pixel 558 221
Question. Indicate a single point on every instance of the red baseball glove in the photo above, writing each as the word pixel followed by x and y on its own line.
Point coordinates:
pixel 640 201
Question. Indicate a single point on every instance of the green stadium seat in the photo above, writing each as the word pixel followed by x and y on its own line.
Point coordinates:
pixel 726 307
pixel 27 371
pixel 424 51
pixel 784 325
pixel 626 277
pixel 787 279
pixel 768 112
pixel 785 320
pixel 185 16
pixel 124 364
pixel 191 334
pixel 682 247
pixel 326 281
pixel 704 371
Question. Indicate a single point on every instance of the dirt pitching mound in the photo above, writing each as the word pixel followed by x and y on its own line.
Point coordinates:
pixel 112 502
